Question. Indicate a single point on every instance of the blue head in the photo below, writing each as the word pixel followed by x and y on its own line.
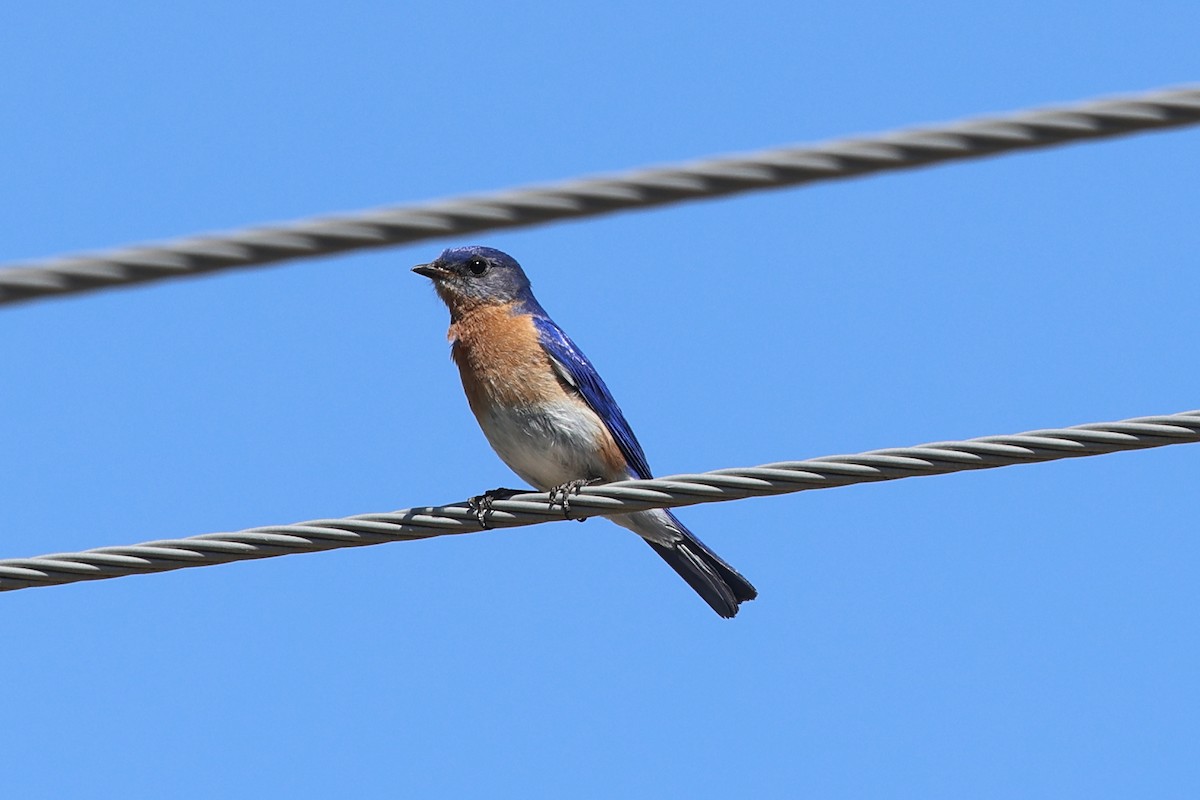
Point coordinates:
pixel 466 277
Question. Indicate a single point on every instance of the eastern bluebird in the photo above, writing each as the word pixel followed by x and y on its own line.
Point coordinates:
pixel 546 411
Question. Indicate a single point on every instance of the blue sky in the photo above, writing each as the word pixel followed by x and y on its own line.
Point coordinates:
pixel 1024 632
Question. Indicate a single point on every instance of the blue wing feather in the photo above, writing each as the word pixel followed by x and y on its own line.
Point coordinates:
pixel 591 387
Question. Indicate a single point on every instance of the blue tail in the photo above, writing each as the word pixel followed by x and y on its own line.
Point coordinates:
pixel 721 586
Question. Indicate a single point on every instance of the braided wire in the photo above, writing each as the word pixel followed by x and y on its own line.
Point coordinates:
pixel 938 458
pixel 786 166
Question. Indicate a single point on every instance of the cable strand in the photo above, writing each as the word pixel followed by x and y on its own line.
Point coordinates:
pixel 938 458
pixel 644 188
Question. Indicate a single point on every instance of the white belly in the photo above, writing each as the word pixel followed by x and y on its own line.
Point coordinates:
pixel 549 445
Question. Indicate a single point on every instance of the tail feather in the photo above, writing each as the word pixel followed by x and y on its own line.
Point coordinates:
pixel 716 582
pixel 703 576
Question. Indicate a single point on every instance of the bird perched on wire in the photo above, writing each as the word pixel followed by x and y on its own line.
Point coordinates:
pixel 546 411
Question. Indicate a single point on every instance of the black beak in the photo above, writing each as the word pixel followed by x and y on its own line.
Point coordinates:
pixel 430 271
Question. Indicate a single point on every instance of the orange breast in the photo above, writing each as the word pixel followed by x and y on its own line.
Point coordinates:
pixel 501 360
pixel 540 427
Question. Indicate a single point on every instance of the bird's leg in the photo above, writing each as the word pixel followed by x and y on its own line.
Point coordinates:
pixel 481 504
pixel 561 494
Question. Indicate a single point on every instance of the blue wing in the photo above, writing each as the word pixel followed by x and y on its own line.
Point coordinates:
pixel 576 370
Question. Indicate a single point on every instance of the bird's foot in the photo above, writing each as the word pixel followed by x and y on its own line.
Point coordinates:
pixel 561 494
pixel 481 504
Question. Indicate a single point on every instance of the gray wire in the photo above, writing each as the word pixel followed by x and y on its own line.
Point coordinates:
pixel 938 458
pixel 786 166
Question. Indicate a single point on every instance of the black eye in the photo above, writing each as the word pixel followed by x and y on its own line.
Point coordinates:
pixel 477 266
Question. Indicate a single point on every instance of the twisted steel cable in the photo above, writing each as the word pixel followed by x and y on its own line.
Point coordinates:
pixel 938 458
pixel 786 166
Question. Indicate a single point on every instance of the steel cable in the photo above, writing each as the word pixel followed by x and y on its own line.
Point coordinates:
pixel 786 166
pixel 938 458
